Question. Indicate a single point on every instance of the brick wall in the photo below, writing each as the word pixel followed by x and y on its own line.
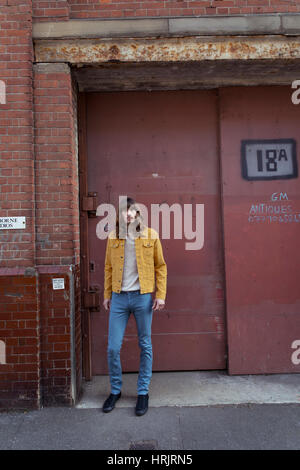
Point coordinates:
pixel 57 226
pixel 54 9
pixel 16 132
pixel 62 10
pixel 57 221
pixel 55 340
pixel 40 328
pixel 19 332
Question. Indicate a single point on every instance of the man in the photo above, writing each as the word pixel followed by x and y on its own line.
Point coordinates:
pixel 132 265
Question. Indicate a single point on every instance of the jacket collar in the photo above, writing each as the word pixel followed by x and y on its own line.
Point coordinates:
pixel 142 234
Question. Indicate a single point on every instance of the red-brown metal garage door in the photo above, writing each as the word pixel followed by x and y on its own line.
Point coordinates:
pixel 262 229
pixel 173 134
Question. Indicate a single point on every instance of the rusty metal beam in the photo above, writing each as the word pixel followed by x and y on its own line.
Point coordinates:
pixel 98 51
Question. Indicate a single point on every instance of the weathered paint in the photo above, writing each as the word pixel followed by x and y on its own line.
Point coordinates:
pixel 262 256
pixel 93 51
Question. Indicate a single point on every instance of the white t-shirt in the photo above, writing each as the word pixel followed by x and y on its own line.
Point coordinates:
pixel 130 279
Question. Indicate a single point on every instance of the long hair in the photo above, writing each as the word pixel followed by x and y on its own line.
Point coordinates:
pixel 131 203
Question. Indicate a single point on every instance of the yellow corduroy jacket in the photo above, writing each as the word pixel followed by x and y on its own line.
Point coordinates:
pixel 150 263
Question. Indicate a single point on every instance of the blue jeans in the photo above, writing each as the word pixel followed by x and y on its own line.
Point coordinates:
pixel 121 306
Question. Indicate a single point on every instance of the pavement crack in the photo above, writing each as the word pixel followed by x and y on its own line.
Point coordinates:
pixel 180 433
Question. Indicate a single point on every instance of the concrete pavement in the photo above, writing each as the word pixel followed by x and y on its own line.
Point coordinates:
pixel 270 419
pixel 167 428
pixel 199 388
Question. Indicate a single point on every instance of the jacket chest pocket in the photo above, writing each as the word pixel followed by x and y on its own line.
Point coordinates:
pixel 148 248
pixel 115 249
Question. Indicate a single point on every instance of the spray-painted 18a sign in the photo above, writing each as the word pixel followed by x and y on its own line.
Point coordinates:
pixel 269 159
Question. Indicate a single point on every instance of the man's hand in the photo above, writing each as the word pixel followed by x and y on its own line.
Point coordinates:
pixel 106 304
pixel 158 304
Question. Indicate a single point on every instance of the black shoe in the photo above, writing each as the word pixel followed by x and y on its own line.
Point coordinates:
pixel 110 402
pixel 141 405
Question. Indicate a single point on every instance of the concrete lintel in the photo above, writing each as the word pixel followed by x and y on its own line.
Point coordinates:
pixel 97 51
pixel 100 28
pixel 211 25
pixel 50 67
pixel 242 25
pixel 291 24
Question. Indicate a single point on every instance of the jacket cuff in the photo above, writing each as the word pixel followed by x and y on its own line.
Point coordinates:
pixel 160 295
pixel 107 295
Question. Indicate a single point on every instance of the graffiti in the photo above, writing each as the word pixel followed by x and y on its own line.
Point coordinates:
pixel 295 358
pixel 275 219
pixel 42 241
pixel 8 240
pixel 281 196
pixel 270 212
pixel 266 209
pixel 2 352
pixel 8 245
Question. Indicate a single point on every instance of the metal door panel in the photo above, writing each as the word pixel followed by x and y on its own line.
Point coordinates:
pixel 262 258
pixel 162 147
